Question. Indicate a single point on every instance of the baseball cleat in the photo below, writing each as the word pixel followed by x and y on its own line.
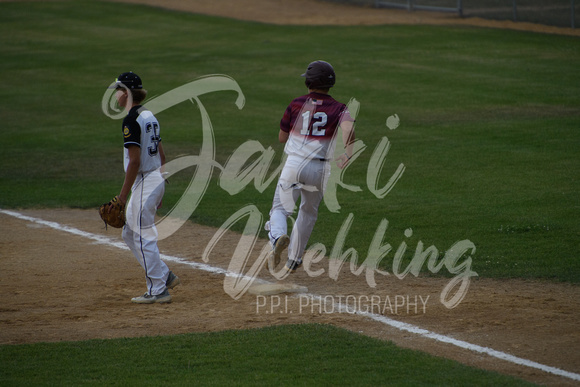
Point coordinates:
pixel 280 245
pixel 163 298
pixel 172 280
pixel 292 265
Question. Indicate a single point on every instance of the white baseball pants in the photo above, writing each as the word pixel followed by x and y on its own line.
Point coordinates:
pixel 304 179
pixel 140 233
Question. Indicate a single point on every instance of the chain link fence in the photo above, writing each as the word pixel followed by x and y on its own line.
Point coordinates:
pixel 560 13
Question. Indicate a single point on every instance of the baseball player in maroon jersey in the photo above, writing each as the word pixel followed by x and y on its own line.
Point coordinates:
pixel 308 128
pixel 143 158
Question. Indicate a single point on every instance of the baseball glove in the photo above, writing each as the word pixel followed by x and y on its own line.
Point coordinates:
pixel 113 213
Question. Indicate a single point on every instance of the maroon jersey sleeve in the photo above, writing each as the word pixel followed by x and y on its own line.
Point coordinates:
pixel 292 111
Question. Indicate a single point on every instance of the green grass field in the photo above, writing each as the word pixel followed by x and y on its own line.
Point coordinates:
pixel 488 135
pixel 284 357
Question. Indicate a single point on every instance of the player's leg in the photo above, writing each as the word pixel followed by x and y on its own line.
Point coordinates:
pixel 277 226
pixel 285 197
pixel 313 176
pixel 157 271
pixel 132 215
pixel 282 206
pixel 284 200
pixel 141 235
pixel 307 216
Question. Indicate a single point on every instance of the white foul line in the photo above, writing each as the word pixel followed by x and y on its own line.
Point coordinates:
pixel 99 239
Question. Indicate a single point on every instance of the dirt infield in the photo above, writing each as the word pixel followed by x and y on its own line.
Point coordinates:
pixel 316 12
pixel 61 286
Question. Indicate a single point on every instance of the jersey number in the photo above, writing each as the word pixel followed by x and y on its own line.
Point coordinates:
pixel 153 127
pixel 318 129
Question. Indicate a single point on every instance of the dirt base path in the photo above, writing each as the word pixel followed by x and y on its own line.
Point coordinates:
pixel 316 12
pixel 60 286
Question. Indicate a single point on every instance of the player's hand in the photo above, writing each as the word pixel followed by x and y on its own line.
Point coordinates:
pixel 342 161
pixel 122 200
pixel 113 213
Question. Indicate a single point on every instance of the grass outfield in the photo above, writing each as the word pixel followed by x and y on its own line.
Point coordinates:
pixel 284 357
pixel 488 135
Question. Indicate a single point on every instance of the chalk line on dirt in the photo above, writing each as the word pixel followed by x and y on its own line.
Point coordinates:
pixel 100 239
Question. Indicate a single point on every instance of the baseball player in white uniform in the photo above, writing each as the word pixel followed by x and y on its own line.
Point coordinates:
pixel 143 159
pixel 308 127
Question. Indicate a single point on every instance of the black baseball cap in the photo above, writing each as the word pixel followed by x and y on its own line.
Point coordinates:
pixel 129 80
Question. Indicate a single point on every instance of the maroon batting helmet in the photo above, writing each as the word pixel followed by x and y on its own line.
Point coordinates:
pixel 319 75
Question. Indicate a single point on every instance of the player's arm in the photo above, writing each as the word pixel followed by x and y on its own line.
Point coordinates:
pixel 283 136
pixel 132 171
pixel 348 138
pixel 285 127
pixel 162 169
pixel 161 155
